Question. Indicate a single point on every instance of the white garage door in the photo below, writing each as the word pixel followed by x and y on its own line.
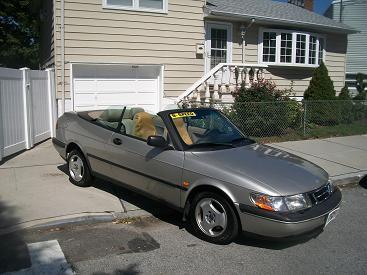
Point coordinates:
pixel 102 86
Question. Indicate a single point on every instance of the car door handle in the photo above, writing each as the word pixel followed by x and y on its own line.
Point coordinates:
pixel 117 141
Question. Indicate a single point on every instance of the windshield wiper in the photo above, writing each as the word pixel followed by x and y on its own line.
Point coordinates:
pixel 209 144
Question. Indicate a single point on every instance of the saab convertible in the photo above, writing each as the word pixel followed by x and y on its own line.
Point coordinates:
pixel 198 162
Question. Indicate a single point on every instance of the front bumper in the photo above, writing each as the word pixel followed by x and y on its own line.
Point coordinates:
pixel 270 224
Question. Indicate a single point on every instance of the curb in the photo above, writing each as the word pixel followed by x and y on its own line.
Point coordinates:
pixel 346 179
pixel 74 219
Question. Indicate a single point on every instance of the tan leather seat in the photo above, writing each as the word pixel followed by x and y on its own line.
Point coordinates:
pixel 144 125
pixel 181 128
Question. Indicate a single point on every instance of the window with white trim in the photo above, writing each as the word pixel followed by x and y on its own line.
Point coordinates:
pixel 301 49
pixel 269 46
pixel 291 48
pixel 144 5
pixel 312 50
pixel 286 48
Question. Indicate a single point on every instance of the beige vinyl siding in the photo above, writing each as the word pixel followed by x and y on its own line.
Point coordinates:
pixel 97 35
pixel 299 77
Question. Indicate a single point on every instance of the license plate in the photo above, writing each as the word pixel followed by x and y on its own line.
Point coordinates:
pixel 331 216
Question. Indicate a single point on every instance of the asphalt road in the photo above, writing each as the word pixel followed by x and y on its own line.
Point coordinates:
pixel 162 246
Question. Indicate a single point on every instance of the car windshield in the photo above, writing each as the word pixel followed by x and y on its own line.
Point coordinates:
pixel 207 128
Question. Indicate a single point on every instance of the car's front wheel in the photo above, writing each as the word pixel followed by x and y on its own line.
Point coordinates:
pixel 213 218
pixel 78 169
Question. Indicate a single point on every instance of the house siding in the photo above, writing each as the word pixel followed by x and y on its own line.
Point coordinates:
pixel 97 35
pixel 299 77
pixel 354 15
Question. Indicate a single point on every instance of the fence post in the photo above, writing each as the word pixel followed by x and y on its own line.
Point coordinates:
pixel 304 118
pixel 27 108
pixel 51 100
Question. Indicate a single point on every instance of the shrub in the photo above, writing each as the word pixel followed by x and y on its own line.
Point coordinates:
pixel 344 108
pixel 360 86
pixel 344 93
pixel 321 86
pixel 263 110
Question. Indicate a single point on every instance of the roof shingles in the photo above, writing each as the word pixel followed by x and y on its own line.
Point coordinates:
pixel 275 11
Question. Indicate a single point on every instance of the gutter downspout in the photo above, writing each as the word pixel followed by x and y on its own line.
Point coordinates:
pixel 341 11
pixel 243 36
pixel 62 35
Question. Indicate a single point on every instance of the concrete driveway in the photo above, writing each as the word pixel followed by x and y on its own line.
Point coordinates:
pixel 34 189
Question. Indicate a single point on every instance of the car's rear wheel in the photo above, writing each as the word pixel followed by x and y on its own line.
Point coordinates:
pixel 78 169
pixel 213 218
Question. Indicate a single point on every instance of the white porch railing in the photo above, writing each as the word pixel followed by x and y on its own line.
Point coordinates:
pixel 221 82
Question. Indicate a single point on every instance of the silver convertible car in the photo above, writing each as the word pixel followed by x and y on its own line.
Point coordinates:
pixel 198 162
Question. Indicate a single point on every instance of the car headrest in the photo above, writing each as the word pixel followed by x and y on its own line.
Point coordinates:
pixel 111 115
pixel 181 128
pixel 144 125
pixel 130 113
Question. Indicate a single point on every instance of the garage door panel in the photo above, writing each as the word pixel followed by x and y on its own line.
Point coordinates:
pixel 83 85
pixel 146 86
pixel 125 99
pixel 116 85
pixel 84 99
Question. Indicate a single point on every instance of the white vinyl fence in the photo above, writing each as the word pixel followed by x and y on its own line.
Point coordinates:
pixel 27 109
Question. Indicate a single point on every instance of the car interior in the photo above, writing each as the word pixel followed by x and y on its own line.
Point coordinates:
pixel 136 122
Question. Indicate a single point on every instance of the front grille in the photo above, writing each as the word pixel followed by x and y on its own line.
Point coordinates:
pixel 320 194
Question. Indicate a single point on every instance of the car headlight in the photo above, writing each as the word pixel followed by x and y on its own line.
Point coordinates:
pixel 281 204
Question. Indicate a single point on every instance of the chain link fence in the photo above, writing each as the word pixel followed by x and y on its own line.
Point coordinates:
pixel 291 120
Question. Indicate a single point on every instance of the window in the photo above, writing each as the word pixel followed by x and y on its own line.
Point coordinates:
pixel 290 48
pixel 269 46
pixel 144 5
pixel 313 50
pixel 286 48
pixel 301 49
pixel 218 47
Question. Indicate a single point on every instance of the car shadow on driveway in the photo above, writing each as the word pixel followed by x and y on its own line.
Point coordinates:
pixel 171 216
pixel 156 209
pixel 250 239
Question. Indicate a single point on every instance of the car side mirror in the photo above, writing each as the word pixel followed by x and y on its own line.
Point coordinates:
pixel 157 141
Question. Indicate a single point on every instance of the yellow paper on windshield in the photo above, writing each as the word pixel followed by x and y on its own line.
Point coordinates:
pixel 183 114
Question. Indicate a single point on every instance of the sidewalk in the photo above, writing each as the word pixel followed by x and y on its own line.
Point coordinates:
pixel 35 190
pixel 344 158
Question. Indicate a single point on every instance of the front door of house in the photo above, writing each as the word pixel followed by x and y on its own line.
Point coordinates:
pixel 218 44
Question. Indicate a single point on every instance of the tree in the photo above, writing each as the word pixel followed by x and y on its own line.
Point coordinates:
pixel 344 93
pixel 361 86
pixel 19 33
pixel 321 86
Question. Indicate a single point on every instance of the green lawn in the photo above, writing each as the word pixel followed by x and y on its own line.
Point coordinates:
pixel 316 131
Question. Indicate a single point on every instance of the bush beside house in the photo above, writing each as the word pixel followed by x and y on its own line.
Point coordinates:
pixel 321 88
pixel 264 110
